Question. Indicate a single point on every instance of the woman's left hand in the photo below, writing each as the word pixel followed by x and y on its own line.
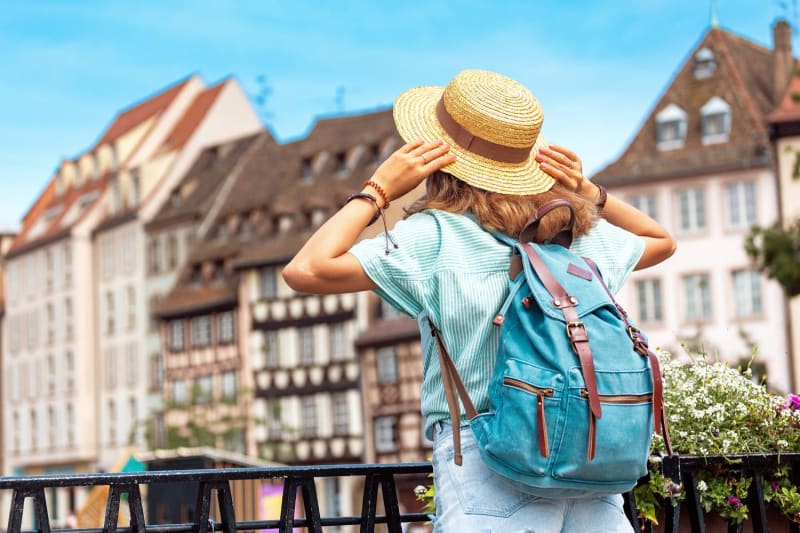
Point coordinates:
pixel 566 168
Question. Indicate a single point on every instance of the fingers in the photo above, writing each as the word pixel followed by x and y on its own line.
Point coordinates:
pixel 409 146
pixel 431 156
pixel 566 152
pixel 424 147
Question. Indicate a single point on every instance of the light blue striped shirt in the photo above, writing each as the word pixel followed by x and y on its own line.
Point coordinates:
pixel 450 269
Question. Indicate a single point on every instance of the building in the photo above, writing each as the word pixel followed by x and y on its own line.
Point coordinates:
pixel 75 286
pixel 6 240
pixel 701 165
pixel 785 135
pixel 125 347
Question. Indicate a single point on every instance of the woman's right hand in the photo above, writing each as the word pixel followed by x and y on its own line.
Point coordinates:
pixel 410 165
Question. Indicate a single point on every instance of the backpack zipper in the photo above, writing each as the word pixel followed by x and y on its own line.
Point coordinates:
pixel 544 447
pixel 621 398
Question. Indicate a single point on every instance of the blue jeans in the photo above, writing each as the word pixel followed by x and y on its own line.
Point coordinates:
pixel 473 499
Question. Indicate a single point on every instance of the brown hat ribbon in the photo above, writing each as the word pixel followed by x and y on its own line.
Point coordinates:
pixel 477 145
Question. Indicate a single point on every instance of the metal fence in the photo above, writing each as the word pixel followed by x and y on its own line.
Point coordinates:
pixel 124 489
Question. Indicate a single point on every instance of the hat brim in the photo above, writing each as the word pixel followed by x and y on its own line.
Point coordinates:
pixel 415 118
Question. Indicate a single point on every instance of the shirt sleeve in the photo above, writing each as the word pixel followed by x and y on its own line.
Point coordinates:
pixel 405 276
pixel 614 250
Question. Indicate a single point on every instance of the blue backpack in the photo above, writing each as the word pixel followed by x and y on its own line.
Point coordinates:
pixel 576 393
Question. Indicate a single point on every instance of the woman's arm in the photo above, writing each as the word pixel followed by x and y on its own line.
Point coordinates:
pixel 564 166
pixel 323 266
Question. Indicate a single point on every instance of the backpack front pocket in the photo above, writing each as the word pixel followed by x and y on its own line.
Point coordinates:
pixel 525 417
pixel 623 431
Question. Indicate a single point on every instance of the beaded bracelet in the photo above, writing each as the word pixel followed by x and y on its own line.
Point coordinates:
pixel 381 192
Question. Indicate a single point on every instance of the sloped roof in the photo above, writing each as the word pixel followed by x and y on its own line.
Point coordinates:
pixel 743 79
pixel 192 117
pixel 789 108
pixel 138 113
pixel 270 181
pixel 198 188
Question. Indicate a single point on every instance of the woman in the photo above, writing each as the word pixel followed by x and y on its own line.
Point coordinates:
pixel 478 142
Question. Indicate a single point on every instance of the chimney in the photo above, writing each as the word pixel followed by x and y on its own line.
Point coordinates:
pixel 783 63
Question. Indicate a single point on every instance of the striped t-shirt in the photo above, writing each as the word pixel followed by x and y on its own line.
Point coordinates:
pixel 449 268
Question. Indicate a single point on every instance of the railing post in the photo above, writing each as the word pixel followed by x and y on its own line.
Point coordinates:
pixel 369 504
pixel 390 503
pixel 18 507
pixel 203 506
pixel 671 469
pixel 696 519
pixel 310 504
pixel 629 506
pixel 756 504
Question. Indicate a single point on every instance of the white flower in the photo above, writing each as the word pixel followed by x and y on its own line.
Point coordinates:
pixel 701 486
pixel 419 491
pixel 782 443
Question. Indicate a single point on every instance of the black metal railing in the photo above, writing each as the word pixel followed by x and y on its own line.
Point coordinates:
pixel 124 488
pixel 689 515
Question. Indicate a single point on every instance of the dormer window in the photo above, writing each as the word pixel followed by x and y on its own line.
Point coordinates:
pixel 716 120
pixel 341 164
pixel 704 64
pixel 285 223
pixel 671 127
pixel 308 168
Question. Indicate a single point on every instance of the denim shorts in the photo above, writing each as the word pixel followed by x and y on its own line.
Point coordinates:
pixel 471 498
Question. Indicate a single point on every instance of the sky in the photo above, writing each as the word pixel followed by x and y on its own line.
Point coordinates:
pixel 597 66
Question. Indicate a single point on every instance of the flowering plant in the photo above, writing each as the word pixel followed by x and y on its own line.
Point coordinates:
pixel 714 409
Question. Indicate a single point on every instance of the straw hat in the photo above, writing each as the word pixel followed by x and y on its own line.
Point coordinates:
pixel 492 124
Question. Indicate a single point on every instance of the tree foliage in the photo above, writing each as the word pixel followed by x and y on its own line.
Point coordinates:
pixel 776 252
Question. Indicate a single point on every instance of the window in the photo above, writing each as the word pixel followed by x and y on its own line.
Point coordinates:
pixel 338 344
pixel 51 427
pixel 116 195
pixel 111 368
pixel 649 297
pixel 274 424
pixel 68 327
pixel 341 415
pixel 716 121
pixel 131 308
pixel 227 331
pixel 305 338
pixel 341 164
pixel 48 261
pixel 671 127
pixel 176 340
pixel 51 323
pixel 67 265
pixel 386 361
pixel 180 392
pixel 133 412
pixel 308 168
pixel 135 193
pixel 204 390
pixel 388 311
pixel 51 375
pixel 646 203
pixel 156 371
pixel 132 365
pixel 154 256
pixel 386 434
pixel 34 431
pixel 704 64
pixel 112 422
pixel 109 313
pixel 741 204
pixel 692 210
pixel 271 349
pixel 267 283
pixel 69 362
pixel 16 434
pixel 229 386
pixel 308 406
pixel 747 291
pixel 201 331
pixel 70 425
pixel 172 252
pixel 697 295
pixel 108 258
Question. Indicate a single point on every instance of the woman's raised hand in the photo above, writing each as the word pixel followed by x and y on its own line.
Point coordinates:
pixel 410 165
pixel 566 168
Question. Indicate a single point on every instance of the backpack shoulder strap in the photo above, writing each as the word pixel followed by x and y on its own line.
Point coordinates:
pixel 453 389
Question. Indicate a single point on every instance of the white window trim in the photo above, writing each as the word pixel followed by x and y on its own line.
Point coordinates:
pixel 717 106
pixel 672 113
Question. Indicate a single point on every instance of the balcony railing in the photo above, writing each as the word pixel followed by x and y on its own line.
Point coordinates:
pixel 302 480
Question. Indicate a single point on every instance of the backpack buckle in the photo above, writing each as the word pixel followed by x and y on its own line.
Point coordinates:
pixel 576 324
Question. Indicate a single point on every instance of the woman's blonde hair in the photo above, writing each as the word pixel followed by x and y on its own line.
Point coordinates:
pixel 505 213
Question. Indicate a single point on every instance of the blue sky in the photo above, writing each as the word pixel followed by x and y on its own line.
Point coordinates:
pixel 597 66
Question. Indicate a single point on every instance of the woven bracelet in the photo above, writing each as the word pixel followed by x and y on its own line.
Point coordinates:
pixel 378 189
